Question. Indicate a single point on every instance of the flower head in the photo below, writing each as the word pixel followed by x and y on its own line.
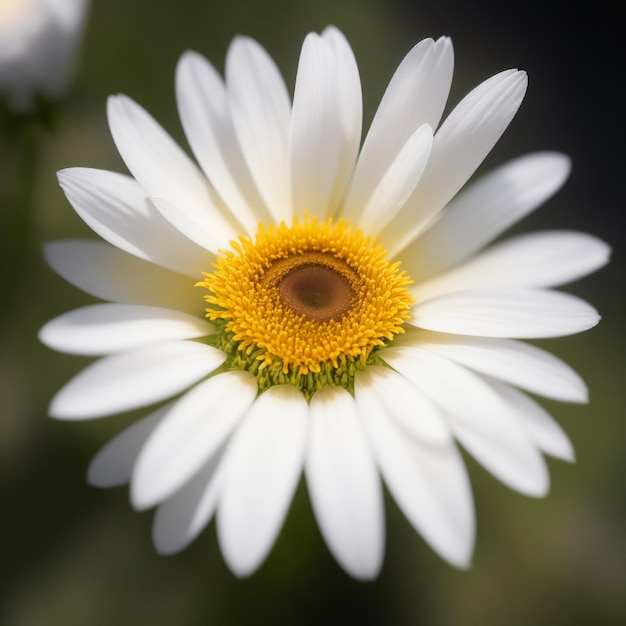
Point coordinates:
pixel 38 40
pixel 305 303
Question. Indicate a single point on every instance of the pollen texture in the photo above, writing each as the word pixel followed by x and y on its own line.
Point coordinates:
pixel 310 299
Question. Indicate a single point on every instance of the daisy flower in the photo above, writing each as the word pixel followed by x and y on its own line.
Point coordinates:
pixel 38 41
pixel 299 303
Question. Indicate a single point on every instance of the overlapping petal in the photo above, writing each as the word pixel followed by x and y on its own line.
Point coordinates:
pixel 401 401
pixel 544 259
pixel 507 312
pixel 128 380
pixel 545 432
pixel 205 114
pixel 514 362
pixel 193 430
pixel 428 480
pixel 180 518
pixel 164 171
pixel 263 466
pixel 260 108
pixel 416 95
pixel 343 484
pixel 396 185
pixel 113 464
pixel 111 274
pixel 117 208
pixel 478 416
pixel 483 210
pixel 105 328
pixel 464 139
pixel 325 124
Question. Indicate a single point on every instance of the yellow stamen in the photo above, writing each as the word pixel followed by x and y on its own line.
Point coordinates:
pixel 308 296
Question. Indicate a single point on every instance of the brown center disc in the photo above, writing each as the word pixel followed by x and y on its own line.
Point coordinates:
pixel 316 291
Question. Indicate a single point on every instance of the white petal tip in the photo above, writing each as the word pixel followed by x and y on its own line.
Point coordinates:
pixel 365 572
pixel 187 55
pixel 42 335
pixel 331 28
pixel 101 473
pixel 164 547
pixel 93 478
pixel 115 104
pixel 457 552
pixel 370 574
pixel 243 568
pixel 112 99
pixel 582 397
pixel 561 160
pixel 463 563
pixel 187 61
pixel 242 560
pixel 365 566
pixel 142 497
pixel 60 409
pixel 593 320
pixel 539 490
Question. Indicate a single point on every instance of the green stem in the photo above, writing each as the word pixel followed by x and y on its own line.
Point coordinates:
pixel 18 250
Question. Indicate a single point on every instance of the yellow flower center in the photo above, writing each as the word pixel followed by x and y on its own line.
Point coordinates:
pixel 309 302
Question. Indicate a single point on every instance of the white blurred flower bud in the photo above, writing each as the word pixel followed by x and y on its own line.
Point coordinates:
pixel 38 42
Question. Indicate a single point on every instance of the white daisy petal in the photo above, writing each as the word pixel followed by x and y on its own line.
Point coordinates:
pixel 117 208
pixel 196 426
pixel 415 96
pixel 325 124
pixel 113 465
pixel 203 107
pixel 461 143
pixel 343 484
pixel 484 210
pixel 189 226
pixel 183 516
pixel 128 380
pixel 105 328
pixel 499 453
pixel 162 168
pixel 480 419
pixel 261 110
pixel 350 108
pixel 264 463
pixel 507 312
pixel 514 362
pixel 429 482
pixel 545 259
pixel 407 405
pixel 111 274
pixel 547 435
pixel 397 184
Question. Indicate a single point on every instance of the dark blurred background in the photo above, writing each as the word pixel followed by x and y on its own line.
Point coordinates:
pixel 75 555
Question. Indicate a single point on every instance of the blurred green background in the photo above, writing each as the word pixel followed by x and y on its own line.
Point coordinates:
pixel 75 555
